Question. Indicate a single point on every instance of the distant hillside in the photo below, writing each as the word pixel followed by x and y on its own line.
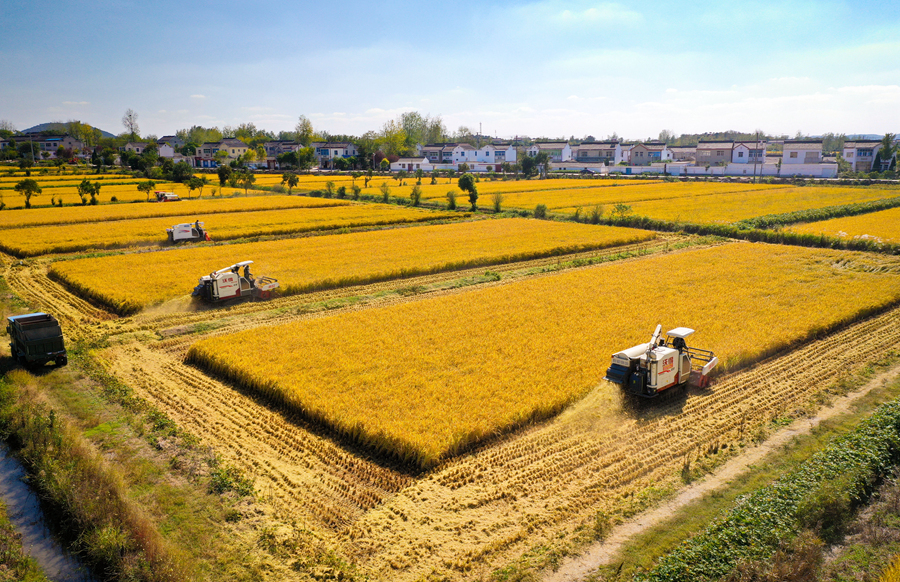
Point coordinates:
pixel 57 127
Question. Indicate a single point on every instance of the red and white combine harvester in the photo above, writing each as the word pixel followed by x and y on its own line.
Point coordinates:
pixel 188 231
pixel 228 283
pixel 166 196
pixel 648 369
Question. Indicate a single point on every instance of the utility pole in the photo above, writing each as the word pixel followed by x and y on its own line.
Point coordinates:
pixel 756 162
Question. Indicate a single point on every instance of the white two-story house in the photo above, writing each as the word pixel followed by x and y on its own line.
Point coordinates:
pixel 802 151
pixel 860 153
pixel 558 151
pixel 748 152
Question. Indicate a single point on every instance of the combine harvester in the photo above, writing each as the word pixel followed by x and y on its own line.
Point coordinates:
pixel 166 196
pixel 228 284
pixel 647 369
pixel 188 231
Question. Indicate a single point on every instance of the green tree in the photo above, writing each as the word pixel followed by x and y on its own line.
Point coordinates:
pixel 888 151
pixel 194 183
pixel 304 131
pixel 466 183
pixel 401 175
pixel 290 179
pixel 529 166
pixel 451 200
pixel 342 164
pixel 420 173
pixel 95 194
pixel 542 159
pixel 224 173
pixel 498 201
pixel 145 187
pixel 385 165
pixel 28 188
pixel 220 157
pixel 245 179
pixel 385 192
pixel 181 172
pixel 26 164
pixel 415 195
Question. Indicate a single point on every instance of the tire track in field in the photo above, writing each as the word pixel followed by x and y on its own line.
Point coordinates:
pixel 483 510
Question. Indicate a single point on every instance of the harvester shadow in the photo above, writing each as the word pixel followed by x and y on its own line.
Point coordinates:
pixel 669 403
pixel 8 364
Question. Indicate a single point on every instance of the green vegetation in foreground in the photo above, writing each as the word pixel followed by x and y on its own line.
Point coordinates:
pixel 817 498
pixel 641 552
pixel 14 564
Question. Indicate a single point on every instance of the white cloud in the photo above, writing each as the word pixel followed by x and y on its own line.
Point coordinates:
pixel 76 103
pixel 198 96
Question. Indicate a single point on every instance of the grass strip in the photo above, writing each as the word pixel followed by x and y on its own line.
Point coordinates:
pixel 821 493
pixel 14 563
pixel 111 533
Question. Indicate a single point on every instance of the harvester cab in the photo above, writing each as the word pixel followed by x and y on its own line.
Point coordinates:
pixel 648 369
pixel 231 283
pixel 189 231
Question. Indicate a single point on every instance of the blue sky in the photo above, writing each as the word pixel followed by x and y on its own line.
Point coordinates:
pixel 544 68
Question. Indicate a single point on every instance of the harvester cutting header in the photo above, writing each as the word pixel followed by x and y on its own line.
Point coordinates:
pixel 228 283
pixel 648 369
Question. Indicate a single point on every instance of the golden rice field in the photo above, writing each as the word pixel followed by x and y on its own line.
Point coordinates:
pixel 423 380
pixel 486 189
pixel 883 226
pixel 78 214
pixel 734 206
pixel 629 193
pixel 324 262
pixel 39 240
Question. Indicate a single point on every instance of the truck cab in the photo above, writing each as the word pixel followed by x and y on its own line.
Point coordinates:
pixel 35 339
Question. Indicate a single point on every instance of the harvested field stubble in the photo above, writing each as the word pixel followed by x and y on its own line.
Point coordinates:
pixel 324 262
pixel 25 242
pixel 424 380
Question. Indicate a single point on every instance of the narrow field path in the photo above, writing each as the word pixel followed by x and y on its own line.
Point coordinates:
pixel 601 553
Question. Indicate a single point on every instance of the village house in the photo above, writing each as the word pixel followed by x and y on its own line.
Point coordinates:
pixel 683 153
pixel 327 152
pixel 206 153
pixel 860 154
pixel 44 143
pixel 802 151
pixel 605 152
pixel 748 152
pixel 714 153
pixel 644 154
pixel 558 151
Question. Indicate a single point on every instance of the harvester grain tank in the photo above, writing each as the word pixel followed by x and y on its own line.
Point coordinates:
pixel 188 231
pixel 648 369
pixel 35 339
pixel 229 283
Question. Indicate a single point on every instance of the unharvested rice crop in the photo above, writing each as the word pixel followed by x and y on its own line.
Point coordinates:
pixel 39 240
pixel 438 192
pixel 423 380
pixel 206 206
pixel 882 226
pixel 301 265
pixel 627 193
pixel 728 207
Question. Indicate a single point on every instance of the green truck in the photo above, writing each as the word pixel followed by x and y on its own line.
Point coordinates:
pixel 35 339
